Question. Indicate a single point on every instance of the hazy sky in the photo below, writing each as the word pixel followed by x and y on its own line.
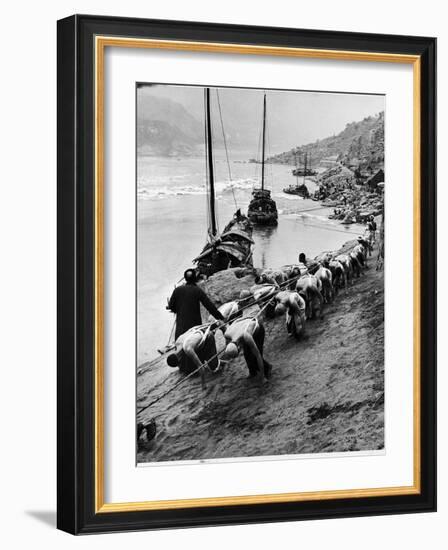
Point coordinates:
pixel 294 118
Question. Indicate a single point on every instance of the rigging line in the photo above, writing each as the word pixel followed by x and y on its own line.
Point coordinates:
pixel 331 229
pixel 207 190
pixel 225 147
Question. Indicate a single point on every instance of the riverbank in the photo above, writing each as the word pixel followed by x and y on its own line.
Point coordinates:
pixel 351 201
pixel 326 394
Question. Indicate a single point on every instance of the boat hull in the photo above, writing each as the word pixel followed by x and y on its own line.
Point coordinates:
pixel 233 248
pixel 263 219
pixel 262 208
pixel 297 192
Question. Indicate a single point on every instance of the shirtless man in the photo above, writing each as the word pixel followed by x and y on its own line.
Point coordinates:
pixel 194 348
pixel 261 295
pixel 295 307
pixel 247 334
pixel 309 287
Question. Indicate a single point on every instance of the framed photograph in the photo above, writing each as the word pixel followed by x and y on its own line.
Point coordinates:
pixel 246 274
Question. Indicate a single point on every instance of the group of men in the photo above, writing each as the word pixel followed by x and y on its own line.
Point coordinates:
pixel 195 346
pixel 195 342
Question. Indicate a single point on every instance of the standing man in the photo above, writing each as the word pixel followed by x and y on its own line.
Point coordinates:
pixel 247 334
pixel 371 226
pixel 185 302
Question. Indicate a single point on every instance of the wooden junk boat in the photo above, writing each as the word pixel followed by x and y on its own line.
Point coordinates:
pixel 232 247
pixel 306 170
pixel 300 189
pixel 262 208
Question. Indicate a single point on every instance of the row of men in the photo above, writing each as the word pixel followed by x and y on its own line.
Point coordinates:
pixel 195 342
pixel 297 291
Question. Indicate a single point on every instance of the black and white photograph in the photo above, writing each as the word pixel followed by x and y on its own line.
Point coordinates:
pixel 260 273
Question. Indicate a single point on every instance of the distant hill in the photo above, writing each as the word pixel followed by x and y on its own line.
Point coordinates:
pixel 360 144
pixel 165 128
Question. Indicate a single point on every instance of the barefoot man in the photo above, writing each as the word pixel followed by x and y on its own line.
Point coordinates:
pixel 193 348
pixel 295 307
pixel 248 335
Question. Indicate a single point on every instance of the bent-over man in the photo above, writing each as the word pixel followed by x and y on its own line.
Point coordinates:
pixel 193 348
pixel 248 335
pixel 309 287
pixel 295 307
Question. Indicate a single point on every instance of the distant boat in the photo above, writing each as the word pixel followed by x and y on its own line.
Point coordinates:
pixel 262 208
pixel 300 189
pixel 232 247
pixel 305 170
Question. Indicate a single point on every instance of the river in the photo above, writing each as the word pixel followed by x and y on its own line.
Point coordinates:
pixel 172 229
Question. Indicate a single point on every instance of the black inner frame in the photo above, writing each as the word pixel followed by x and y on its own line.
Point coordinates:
pixel 76 390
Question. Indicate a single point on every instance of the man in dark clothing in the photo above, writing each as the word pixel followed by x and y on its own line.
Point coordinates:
pixel 302 258
pixel 185 303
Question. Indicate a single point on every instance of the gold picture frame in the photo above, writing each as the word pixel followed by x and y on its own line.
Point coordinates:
pixel 97 37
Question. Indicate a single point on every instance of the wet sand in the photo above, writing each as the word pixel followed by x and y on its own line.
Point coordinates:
pixel 326 394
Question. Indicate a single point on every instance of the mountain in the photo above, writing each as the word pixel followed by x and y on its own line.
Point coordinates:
pixel 164 127
pixel 360 144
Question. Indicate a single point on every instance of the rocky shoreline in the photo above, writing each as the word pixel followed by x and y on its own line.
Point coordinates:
pixel 353 199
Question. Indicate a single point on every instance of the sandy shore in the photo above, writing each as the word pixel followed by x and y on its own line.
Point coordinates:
pixel 326 394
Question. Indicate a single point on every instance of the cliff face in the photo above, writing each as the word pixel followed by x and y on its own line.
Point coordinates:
pixel 166 128
pixel 360 144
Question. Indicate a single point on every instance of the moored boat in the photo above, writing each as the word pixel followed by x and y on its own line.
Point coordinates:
pixel 300 189
pixel 233 246
pixel 262 209
pixel 304 170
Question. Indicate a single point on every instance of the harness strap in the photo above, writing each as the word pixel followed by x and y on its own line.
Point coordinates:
pixel 200 331
pixel 257 324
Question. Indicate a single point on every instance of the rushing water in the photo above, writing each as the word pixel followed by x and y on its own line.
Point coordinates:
pixel 172 228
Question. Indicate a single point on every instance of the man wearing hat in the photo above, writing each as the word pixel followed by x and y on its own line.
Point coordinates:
pixel 186 302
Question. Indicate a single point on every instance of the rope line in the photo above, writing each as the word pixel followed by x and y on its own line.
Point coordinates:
pixel 264 300
pixel 206 363
pixel 267 299
pixel 196 370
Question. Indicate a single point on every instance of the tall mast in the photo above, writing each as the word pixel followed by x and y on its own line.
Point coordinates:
pixel 264 140
pixel 297 169
pixel 211 177
pixel 304 171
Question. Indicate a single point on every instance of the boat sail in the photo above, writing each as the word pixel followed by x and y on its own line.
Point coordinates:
pixel 262 208
pixel 232 247
pixel 300 189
